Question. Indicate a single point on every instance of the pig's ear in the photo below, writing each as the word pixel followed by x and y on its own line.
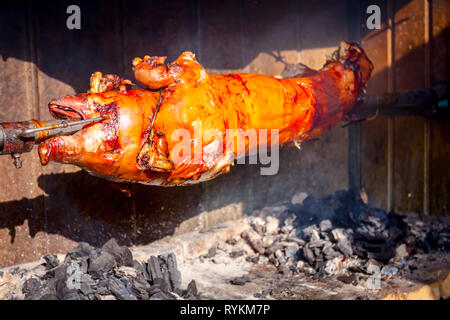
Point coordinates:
pixel 154 73
pixel 154 155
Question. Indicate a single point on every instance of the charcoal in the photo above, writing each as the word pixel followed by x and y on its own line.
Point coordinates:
pixel 240 281
pixel 347 279
pixel 296 240
pixel 123 271
pixel 236 253
pixel 165 276
pixel 174 273
pixel 311 233
pixel 140 288
pixel 60 272
pixel 162 296
pixel 51 261
pixel 309 254
pixel 154 289
pixel 325 225
pixel 262 260
pixel 231 241
pixel 102 287
pixel 372 266
pixel 30 286
pixel 345 247
pixel 45 291
pixel 139 267
pixel 273 261
pixel 259 228
pixel 211 253
pixel 389 271
pixel 62 290
pixel 72 295
pixel 99 264
pixel 119 289
pixel 164 284
pixel 86 285
pixel 283 269
pixel 122 255
pixel 82 250
pixel 191 291
pixel 273 248
pixel 154 268
pixel 329 252
pixel 49 296
pixel 254 240
pixel 281 257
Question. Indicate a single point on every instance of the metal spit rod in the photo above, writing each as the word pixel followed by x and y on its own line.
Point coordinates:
pixel 20 137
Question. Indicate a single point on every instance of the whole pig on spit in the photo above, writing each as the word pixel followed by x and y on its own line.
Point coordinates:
pixel 188 126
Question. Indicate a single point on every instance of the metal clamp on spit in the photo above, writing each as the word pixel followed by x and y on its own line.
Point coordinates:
pixel 20 137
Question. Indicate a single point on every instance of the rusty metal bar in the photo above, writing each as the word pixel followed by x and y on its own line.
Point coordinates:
pixel 427 124
pixel 391 119
pixel 429 102
pixel 354 130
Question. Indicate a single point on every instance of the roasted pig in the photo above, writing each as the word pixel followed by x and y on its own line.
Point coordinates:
pixel 176 132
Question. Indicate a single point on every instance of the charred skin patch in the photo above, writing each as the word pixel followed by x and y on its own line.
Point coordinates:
pixel 110 126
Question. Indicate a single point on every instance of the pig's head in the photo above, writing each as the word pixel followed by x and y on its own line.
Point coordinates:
pixel 106 147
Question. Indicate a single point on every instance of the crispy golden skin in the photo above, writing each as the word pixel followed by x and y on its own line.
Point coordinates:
pixel 126 147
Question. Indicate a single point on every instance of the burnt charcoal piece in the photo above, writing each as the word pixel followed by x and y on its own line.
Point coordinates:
pixel 49 296
pixel 236 253
pixel 191 291
pixel 309 254
pixel 30 286
pixel 122 255
pixel 140 288
pixel 139 267
pixel 254 240
pixel 329 252
pixel 162 296
pixel 347 279
pixel 163 284
pixel 325 225
pixel 154 269
pixel 154 289
pixel 72 295
pixel 240 281
pixel 345 247
pixel 211 253
pixel 82 250
pixel 60 272
pixel 281 257
pixel 51 261
pixel 291 253
pixel 167 286
pixel 284 269
pixel 101 263
pixel 45 291
pixel 119 289
pixel 102 287
pixel 174 274
pixel 62 290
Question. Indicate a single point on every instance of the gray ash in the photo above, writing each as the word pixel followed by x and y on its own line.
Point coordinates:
pixel 89 273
